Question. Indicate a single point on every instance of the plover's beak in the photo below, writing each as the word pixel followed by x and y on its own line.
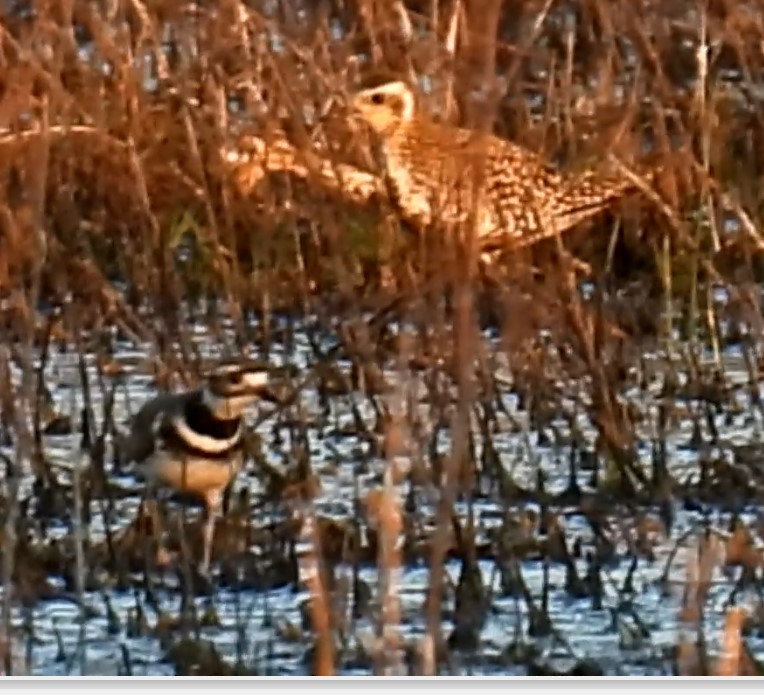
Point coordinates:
pixel 358 108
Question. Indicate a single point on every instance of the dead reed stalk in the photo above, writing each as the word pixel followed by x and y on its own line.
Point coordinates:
pixel 387 515
pixel 728 664
pixel 311 569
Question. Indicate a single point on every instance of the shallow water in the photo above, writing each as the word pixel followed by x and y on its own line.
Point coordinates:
pixel 252 624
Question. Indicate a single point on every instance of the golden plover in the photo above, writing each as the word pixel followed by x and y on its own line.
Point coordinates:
pixel 193 442
pixel 441 173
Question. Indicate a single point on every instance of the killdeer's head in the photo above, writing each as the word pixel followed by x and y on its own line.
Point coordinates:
pixel 232 387
pixel 385 105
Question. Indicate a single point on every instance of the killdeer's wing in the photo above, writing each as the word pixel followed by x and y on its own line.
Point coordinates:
pixel 150 422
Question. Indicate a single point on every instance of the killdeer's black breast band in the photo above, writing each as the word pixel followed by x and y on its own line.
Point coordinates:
pixel 200 419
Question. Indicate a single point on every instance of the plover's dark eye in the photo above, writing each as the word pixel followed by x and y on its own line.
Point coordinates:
pixel 378 99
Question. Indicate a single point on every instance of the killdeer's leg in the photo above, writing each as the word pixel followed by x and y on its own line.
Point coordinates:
pixel 214 502
pixel 152 501
pixel 148 507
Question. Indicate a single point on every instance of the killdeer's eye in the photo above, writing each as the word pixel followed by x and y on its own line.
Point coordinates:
pixel 378 99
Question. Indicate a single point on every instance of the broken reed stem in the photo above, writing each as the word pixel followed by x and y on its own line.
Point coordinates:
pixel 705 119
pixel 705 556
pixel 390 523
pixel 80 460
pixel 9 543
pixel 389 519
pixel 320 605
pixel 460 424
pixel 386 513
pixel 728 664
pixel 450 43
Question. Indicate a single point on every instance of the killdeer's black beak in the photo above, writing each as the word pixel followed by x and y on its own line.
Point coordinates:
pixel 279 388
pixel 284 372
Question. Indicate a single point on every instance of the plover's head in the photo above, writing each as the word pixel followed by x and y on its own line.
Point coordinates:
pixel 232 387
pixel 385 104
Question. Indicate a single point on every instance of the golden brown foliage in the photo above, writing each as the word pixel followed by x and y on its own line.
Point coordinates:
pixel 121 197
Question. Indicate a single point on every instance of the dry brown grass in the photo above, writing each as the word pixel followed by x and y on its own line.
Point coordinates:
pixel 125 161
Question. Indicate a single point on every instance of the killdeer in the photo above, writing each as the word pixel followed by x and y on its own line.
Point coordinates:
pixel 441 173
pixel 192 441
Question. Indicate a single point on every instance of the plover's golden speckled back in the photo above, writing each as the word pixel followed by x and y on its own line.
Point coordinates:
pixel 441 173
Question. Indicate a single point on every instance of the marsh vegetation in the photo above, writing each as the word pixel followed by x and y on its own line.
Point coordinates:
pixel 552 466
